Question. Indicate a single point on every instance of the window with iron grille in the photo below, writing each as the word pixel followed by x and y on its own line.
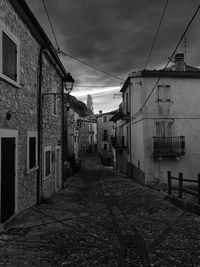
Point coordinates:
pixel 31 151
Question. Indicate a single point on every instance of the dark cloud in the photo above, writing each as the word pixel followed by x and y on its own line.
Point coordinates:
pixel 116 35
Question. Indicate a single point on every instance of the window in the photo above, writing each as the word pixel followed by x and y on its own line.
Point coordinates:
pixel 104 119
pixel 31 151
pixel 9 56
pixel 47 161
pixel 105 146
pixel 165 128
pixel 127 103
pixel 55 104
pixel 105 135
pixel 164 93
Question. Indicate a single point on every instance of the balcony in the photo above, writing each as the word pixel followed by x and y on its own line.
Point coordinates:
pixel 104 137
pixel 118 142
pixel 169 146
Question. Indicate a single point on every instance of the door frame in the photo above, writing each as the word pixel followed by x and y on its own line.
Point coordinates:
pixel 8 133
pixel 55 166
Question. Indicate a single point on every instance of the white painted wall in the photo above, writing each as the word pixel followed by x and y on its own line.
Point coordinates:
pixel 184 108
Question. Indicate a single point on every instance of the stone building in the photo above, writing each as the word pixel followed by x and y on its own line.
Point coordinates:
pixel 76 126
pixel 120 141
pixel 31 88
pixel 88 134
pixel 104 133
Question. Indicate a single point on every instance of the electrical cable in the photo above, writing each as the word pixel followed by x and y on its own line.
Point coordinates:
pixel 156 36
pixel 51 25
pixel 89 65
pixel 170 58
pixel 68 55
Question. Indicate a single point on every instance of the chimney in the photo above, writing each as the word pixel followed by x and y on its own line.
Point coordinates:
pixel 100 111
pixel 179 62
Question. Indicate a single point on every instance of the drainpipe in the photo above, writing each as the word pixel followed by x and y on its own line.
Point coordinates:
pixel 62 132
pixel 40 141
pixel 131 172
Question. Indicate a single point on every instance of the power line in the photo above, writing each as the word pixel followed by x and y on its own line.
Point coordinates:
pixel 51 25
pixel 89 65
pixel 155 38
pixel 68 55
pixel 170 58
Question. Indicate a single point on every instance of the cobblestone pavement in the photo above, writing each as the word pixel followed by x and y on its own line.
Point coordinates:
pixel 103 218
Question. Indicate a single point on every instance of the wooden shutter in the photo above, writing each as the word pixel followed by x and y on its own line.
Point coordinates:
pixel 9 58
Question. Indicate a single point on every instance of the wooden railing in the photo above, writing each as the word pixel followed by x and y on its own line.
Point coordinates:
pixel 181 188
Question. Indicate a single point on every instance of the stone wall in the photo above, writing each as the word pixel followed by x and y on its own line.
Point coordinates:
pixel 51 124
pixel 22 101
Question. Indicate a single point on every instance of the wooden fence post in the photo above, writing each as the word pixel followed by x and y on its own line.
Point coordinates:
pixel 180 185
pixel 199 188
pixel 169 182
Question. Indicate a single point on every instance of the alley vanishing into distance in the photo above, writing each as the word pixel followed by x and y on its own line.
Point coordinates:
pixel 103 218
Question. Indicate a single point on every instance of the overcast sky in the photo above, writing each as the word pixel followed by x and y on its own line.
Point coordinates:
pixel 116 36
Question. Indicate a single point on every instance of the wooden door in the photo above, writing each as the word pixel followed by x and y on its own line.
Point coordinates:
pixel 7 178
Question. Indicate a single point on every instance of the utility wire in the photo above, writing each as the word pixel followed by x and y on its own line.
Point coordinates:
pixel 155 38
pixel 68 55
pixel 170 58
pixel 51 25
pixel 91 66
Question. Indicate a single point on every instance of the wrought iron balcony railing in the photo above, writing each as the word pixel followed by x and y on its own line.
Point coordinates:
pixel 118 142
pixel 169 146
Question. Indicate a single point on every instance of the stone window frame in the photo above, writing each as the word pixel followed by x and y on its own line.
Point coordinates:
pixel 29 135
pixel 46 149
pixel 5 29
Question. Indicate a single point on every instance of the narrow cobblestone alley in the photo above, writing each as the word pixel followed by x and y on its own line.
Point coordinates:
pixel 102 218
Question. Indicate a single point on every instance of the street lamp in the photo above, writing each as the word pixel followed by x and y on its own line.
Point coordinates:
pixel 68 83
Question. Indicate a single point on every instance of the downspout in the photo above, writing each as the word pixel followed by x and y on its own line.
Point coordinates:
pixel 130 146
pixel 62 131
pixel 40 137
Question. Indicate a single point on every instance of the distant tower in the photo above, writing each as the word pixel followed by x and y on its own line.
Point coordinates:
pixel 90 103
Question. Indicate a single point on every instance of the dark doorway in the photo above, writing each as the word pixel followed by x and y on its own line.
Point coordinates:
pixel 7 178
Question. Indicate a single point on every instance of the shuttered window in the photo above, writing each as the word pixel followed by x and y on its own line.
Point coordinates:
pixel 9 58
pixel 32 152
